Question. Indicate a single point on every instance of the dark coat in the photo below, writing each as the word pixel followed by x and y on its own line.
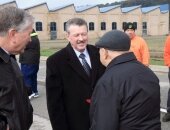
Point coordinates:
pixel 68 88
pixel 127 97
pixel 15 107
pixel 31 53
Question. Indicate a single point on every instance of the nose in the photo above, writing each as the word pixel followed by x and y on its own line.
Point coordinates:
pixel 80 37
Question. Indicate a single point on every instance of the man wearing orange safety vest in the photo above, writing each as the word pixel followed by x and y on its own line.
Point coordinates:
pixel 138 45
pixel 166 117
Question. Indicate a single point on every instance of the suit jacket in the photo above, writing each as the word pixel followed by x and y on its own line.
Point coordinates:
pixel 68 88
pixel 15 107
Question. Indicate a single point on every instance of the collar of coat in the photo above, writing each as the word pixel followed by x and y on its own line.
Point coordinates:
pixel 4 56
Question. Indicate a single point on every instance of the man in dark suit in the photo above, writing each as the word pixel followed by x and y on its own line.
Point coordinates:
pixel 16 112
pixel 70 79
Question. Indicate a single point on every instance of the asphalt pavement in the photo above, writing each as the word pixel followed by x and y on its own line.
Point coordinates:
pixel 41 118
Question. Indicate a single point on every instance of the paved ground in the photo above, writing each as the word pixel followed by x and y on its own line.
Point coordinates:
pixel 41 119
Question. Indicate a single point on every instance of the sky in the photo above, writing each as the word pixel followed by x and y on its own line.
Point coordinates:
pixel 82 2
pixel 79 2
pixel 55 3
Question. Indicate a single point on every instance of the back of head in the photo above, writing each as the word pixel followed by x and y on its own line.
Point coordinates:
pixel 14 18
pixel 114 40
pixel 75 21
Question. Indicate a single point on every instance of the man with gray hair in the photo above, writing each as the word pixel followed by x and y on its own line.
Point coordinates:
pixel 16 112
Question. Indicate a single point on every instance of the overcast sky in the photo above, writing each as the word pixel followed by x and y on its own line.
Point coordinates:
pixel 83 2
pixel 54 3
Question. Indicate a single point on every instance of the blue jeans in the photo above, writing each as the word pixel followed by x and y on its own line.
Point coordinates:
pixel 30 75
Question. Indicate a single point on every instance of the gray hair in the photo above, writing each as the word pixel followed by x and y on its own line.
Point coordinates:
pixel 14 18
pixel 75 21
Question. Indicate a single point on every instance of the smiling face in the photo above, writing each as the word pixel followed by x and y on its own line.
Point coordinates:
pixel 78 37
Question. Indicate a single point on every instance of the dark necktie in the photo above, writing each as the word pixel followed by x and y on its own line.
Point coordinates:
pixel 85 64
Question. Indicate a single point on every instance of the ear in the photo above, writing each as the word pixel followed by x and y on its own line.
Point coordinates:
pixel 67 36
pixel 11 33
pixel 104 52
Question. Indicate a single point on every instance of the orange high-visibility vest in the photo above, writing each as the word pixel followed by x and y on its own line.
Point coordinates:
pixel 140 49
pixel 167 51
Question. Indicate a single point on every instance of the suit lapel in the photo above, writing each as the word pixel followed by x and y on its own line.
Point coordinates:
pixel 94 63
pixel 75 63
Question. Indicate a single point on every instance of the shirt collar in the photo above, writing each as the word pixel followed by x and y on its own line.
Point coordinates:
pixel 78 53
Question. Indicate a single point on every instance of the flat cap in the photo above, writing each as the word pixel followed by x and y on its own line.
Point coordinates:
pixel 129 26
pixel 114 40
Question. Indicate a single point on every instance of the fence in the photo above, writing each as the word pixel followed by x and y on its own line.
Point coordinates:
pixel 155 44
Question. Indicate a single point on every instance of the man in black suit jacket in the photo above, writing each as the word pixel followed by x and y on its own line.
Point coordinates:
pixel 68 86
pixel 16 112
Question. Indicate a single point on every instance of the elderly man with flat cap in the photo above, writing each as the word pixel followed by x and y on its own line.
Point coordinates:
pixel 127 96
pixel 138 45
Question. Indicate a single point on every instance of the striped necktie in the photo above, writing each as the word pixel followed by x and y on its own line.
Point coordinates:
pixel 85 64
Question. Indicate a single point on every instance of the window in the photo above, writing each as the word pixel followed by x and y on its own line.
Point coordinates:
pixel 38 26
pixel 103 26
pixel 144 28
pixel 53 26
pixel 144 25
pixel 91 26
pixel 123 25
pixel 135 25
pixel 65 26
pixel 114 25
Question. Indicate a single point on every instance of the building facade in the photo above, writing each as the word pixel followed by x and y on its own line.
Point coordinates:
pixel 50 23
